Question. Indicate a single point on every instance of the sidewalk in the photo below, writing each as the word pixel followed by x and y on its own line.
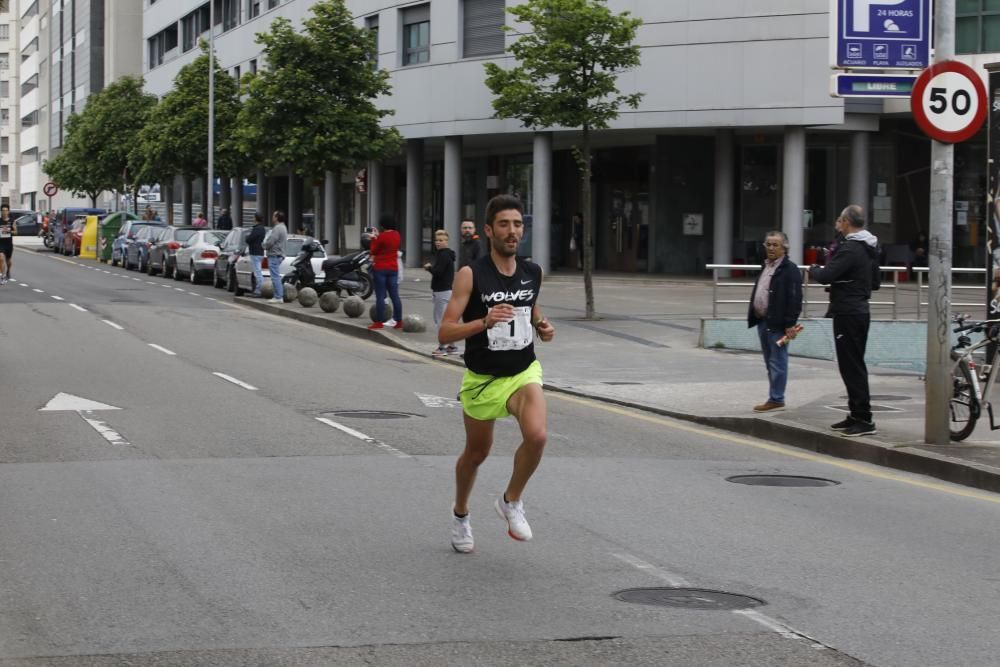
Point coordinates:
pixel 643 353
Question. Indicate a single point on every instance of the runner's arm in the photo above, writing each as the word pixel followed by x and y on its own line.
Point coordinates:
pixel 542 325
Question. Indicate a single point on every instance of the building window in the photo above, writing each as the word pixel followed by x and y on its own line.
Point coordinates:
pixel 4 31
pixel 253 8
pixel 482 27
pixel 161 44
pixel 4 117
pixel 236 73
pixel 4 144
pixel 977 26
pixel 29 85
pixel 253 66
pixel 193 26
pixel 30 120
pixel 371 22
pixel 5 87
pixel 230 14
pixel 271 4
pixel 416 35
pixel 29 50
pixel 5 173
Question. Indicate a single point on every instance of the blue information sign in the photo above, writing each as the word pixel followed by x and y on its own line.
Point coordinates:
pixel 872 85
pixel 880 34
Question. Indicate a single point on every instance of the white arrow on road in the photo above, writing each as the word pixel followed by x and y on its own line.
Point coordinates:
pixel 85 407
pixel 432 401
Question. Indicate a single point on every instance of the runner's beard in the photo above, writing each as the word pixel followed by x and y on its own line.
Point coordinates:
pixel 500 246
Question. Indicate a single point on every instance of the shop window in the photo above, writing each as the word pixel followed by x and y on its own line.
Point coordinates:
pixel 482 27
pixel 416 35
pixel 977 26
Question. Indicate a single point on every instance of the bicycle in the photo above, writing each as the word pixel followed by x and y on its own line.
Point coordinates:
pixel 971 385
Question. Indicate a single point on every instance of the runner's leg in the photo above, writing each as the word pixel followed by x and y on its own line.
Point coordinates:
pixel 478 442
pixel 527 404
pixel 3 264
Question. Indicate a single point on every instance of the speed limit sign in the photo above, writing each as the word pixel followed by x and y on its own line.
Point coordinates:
pixel 949 102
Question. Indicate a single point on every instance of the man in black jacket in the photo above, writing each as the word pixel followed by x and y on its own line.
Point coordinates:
pixel 850 274
pixel 255 250
pixel 471 248
pixel 775 305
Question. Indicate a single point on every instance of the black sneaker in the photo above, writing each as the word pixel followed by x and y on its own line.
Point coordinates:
pixel 859 428
pixel 841 425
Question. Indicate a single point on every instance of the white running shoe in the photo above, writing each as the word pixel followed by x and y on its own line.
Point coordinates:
pixel 461 534
pixel 513 514
pixel 389 323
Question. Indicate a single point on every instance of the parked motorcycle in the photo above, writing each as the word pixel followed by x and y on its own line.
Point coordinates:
pixel 341 274
pixel 48 238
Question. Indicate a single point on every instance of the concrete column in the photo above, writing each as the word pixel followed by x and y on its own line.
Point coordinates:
pixel 415 202
pixel 541 215
pixel 859 173
pixel 294 212
pixel 374 193
pixel 225 192
pixel 330 211
pixel 272 198
pixel 262 194
pixel 725 166
pixel 452 185
pixel 187 195
pixel 236 189
pixel 793 189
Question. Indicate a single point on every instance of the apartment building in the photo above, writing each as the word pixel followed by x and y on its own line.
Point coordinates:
pixel 737 133
pixel 9 107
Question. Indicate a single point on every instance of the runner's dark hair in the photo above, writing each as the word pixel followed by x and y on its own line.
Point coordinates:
pixel 502 203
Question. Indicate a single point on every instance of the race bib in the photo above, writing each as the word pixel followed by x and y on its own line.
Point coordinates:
pixel 5 232
pixel 514 335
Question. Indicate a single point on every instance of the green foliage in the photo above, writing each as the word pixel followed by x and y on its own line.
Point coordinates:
pixel 99 139
pixel 175 140
pixel 313 107
pixel 567 66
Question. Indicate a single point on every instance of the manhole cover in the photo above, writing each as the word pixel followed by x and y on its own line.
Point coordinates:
pixel 887 397
pixel 372 414
pixel 688 598
pixel 620 383
pixel 875 408
pixel 780 480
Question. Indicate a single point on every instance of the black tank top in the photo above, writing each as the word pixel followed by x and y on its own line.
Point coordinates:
pixel 507 348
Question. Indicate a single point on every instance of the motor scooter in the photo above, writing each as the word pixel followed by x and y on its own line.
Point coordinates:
pixel 341 274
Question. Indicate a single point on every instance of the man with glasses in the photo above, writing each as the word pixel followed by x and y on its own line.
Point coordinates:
pixel 775 305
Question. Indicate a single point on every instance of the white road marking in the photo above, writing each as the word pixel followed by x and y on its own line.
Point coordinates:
pixel 211 298
pixel 107 272
pixel 361 436
pixel 40 291
pixel 162 349
pixel 660 573
pixel 179 289
pixel 81 309
pixel 139 279
pixel 106 431
pixel 58 298
pixel 431 401
pixel 23 284
pixel 63 402
pixel 150 282
pixel 113 325
pixel 241 383
pixel 194 294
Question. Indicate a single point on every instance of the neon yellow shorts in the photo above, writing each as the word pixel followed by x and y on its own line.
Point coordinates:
pixel 485 397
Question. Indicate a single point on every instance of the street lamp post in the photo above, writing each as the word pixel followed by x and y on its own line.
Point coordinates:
pixel 211 115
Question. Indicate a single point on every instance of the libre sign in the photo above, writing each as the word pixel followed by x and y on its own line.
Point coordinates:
pixel 880 34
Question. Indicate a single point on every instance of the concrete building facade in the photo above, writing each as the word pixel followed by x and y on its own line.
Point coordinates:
pixel 736 135
pixel 9 106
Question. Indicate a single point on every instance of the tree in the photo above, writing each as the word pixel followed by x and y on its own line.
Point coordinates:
pixel 566 76
pixel 175 140
pixel 312 109
pixel 99 140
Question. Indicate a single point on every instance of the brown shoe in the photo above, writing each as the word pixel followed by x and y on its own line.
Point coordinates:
pixel 770 406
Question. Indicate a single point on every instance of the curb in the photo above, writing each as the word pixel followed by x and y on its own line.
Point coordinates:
pixel 904 458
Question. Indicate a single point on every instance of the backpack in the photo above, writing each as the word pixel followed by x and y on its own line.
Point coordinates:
pixel 876 272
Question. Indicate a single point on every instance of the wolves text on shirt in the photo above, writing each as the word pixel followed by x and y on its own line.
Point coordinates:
pixel 501 296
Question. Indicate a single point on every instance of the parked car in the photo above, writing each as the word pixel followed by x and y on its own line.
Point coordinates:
pixel 161 254
pixel 119 247
pixel 73 237
pixel 244 270
pixel 137 252
pixel 27 224
pixel 64 220
pixel 195 259
pixel 225 264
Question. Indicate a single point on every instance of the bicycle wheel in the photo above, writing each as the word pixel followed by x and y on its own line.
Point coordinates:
pixel 964 406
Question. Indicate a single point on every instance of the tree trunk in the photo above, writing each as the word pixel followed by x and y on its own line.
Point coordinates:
pixel 588 226
pixel 93 198
pixel 167 195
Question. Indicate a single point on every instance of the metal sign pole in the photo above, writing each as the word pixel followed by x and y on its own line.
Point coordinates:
pixel 210 203
pixel 938 387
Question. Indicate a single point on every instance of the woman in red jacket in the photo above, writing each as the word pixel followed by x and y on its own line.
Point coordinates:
pixel 385 270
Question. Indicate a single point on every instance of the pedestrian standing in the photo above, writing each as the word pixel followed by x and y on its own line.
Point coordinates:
pixel 442 276
pixel 775 306
pixel 225 220
pixel 385 271
pixel 274 247
pixel 852 274
pixel 494 308
pixel 255 249
pixel 200 220
pixel 471 248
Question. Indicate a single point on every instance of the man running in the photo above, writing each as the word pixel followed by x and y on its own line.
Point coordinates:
pixel 494 308
pixel 7 232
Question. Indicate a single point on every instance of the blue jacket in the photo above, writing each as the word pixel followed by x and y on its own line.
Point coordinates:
pixel 784 301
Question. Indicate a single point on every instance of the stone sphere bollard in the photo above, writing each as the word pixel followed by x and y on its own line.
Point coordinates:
pixel 414 324
pixel 329 302
pixel 291 293
pixel 354 306
pixel 388 312
pixel 308 297
pixel 267 290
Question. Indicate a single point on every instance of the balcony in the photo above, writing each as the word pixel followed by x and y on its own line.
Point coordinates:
pixel 29 67
pixel 28 138
pixel 29 102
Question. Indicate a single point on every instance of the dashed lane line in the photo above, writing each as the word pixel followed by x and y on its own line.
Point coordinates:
pixel 57 298
pixel 162 349
pixel 239 383
pixel 80 308
pixel 113 325
pixel 23 284
pixel 361 436
pixel 40 291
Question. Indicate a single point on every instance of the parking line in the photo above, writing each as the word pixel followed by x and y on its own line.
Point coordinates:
pixel 113 325
pixel 81 309
pixel 58 298
pixel 162 349
pixel 240 383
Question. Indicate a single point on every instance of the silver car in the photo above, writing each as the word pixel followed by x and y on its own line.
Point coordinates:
pixel 195 259
pixel 244 269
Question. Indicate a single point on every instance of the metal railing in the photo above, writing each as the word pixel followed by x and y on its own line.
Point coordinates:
pixel 892 287
pixel 921 270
